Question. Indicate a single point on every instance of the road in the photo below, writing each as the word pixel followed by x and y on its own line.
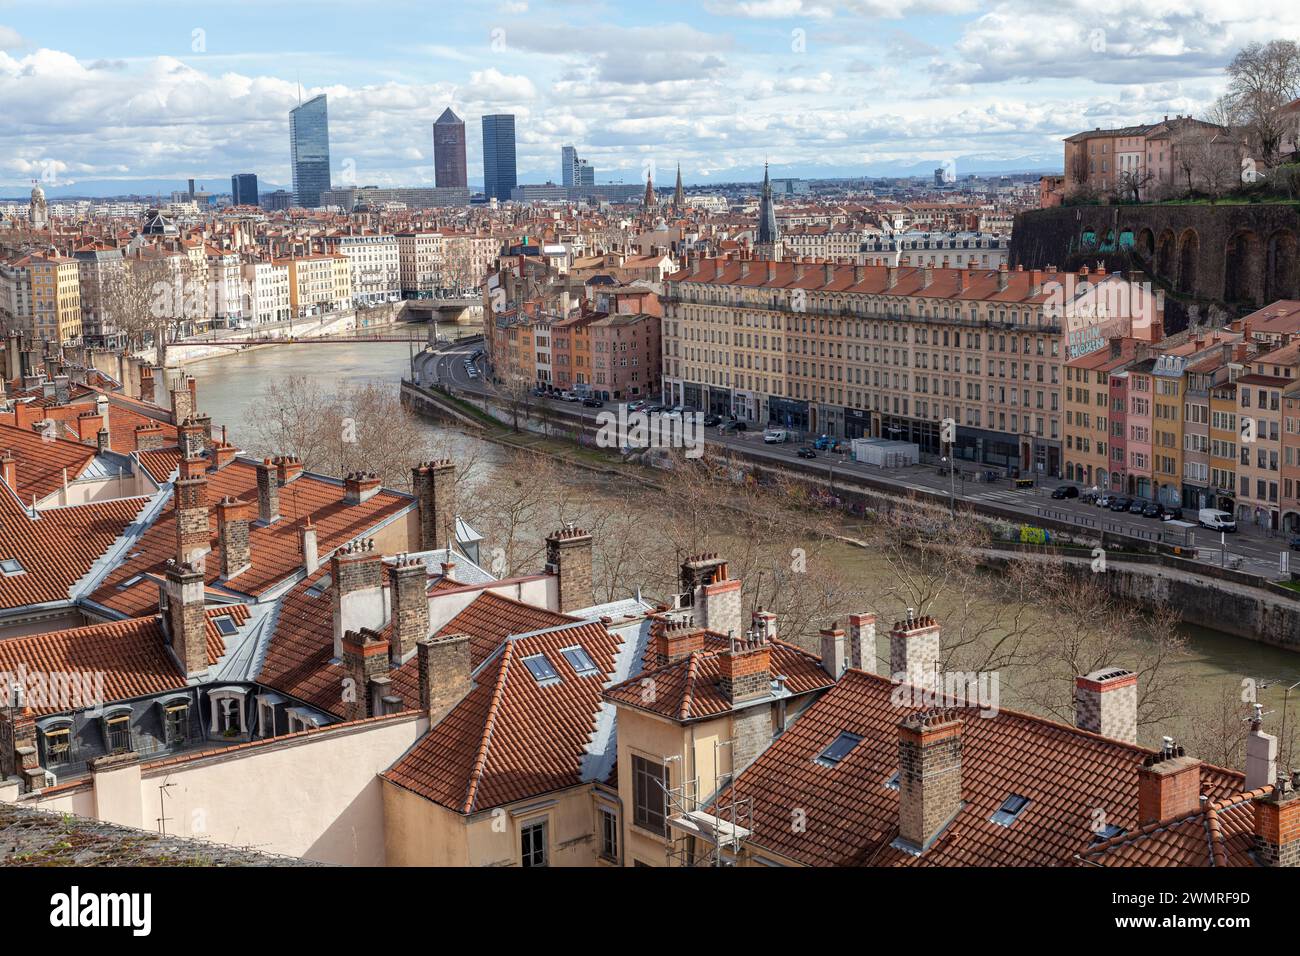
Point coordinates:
pixel 1257 549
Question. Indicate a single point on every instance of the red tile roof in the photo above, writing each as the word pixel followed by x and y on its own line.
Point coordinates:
pixel 512 738
pixel 40 463
pixel 852 816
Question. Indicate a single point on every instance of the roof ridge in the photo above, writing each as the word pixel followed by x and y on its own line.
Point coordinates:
pixel 688 692
pixel 485 742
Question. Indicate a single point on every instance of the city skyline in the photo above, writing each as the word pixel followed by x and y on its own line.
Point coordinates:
pixel 826 89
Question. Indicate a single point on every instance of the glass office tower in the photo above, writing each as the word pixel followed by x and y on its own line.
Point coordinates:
pixel 499 175
pixel 243 189
pixel 309 139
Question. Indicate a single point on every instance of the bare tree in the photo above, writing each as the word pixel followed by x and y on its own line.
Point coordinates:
pixel 1262 79
pixel 132 294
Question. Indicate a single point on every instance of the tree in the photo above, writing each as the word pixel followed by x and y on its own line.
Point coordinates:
pixel 1132 183
pixel 131 297
pixel 1262 79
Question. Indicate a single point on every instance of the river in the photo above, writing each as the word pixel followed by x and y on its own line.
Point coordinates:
pixel 1211 664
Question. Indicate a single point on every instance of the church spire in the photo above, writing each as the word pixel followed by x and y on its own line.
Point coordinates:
pixel 679 194
pixel 768 234
pixel 649 202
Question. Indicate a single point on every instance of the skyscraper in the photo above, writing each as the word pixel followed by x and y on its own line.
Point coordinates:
pixel 243 189
pixel 499 173
pixel 568 166
pixel 309 141
pixel 449 150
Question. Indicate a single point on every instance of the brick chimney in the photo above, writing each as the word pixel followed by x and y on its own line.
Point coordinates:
pixel 434 485
pixel 358 591
pixel 183 399
pixel 88 427
pixel 232 533
pixel 268 493
pixel 146 384
pixel 914 650
pixel 675 639
pixel 287 469
pixel 9 471
pixel 62 389
pixel 222 455
pixel 190 437
pixel 445 673
pixel 763 624
pixel 929 777
pixel 407 578
pixel 835 651
pixel 186 623
pixel 862 642
pixel 103 441
pixel 568 557
pixel 1277 824
pixel 364 655
pixel 1105 702
pixel 1169 785
pixel 193 540
pixel 148 437
pixel 307 546
pixel 745 670
pixel 360 486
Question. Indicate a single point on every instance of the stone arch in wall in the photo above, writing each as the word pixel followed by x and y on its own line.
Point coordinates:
pixel 1189 254
pixel 1281 267
pixel 1243 264
pixel 1166 254
pixel 1146 243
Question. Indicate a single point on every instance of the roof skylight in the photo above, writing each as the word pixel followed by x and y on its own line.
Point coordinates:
pixel 539 665
pixel 840 748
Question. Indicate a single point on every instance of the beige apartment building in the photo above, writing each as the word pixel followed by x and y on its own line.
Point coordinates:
pixel 874 351
pixel 41 295
pixel 318 282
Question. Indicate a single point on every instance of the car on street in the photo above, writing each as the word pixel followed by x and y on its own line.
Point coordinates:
pixel 735 425
pixel 1216 520
pixel 1105 500
pixel 1118 503
pixel 1136 506
pixel 711 420
pixel 1172 514
pixel 1090 497
pixel 652 409
pixel 1061 492
pixel 1294 543
pixel 775 436
pixel 592 403
pixel 1153 510
pixel 806 452
pixel 635 406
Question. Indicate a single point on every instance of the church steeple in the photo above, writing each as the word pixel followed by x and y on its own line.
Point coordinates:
pixel 679 194
pixel 650 201
pixel 767 242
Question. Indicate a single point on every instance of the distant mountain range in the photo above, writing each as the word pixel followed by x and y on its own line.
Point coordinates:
pixel 965 166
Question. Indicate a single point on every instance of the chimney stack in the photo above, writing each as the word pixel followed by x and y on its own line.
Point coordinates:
pixel 434 485
pixel 446 673
pixel 190 434
pixel 186 622
pixel 1261 754
pixel 307 545
pixel 763 624
pixel 364 655
pixel 715 596
pixel 268 493
pixel 148 437
pixel 929 777
pixel 835 651
pixel 102 441
pixel 9 471
pixel 410 619
pixel 287 469
pixel 675 639
pixel 568 557
pixel 1105 702
pixel 1277 823
pixel 358 591
pixel 232 533
pixel 193 540
pixel 914 651
pixel 862 642
pixel 359 487
pixel 1169 785
pixel 745 670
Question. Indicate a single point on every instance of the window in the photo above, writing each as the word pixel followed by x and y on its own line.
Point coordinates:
pixel 840 748
pixel 1108 832
pixel 1010 810
pixel 176 723
pixel 541 669
pixel 608 834
pixel 58 745
pixel 12 566
pixel 533 844
pixel 117 732
pixel 649 794
pixel 579 660
pixel 225 625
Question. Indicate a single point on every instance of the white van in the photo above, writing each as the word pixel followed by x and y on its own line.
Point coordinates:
pixel 1216 520
pixel 775 436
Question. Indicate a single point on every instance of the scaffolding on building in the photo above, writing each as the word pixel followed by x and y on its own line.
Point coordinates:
pixel 712 837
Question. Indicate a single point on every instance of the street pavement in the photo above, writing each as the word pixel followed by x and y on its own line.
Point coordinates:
pixel 1251 549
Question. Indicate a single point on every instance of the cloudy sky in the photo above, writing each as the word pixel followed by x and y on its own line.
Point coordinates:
pixel 134 90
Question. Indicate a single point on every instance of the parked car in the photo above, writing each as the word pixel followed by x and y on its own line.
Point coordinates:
pixel 1294 544
pixel 652 409
pixel 806 452
pixel 1216 520
pixel 1118 503
pixel 572 397
pixel 592 403
pixel 1153 510
pixel 1106 500
pixel 635 406
pixel 1061 492
pixel 1090 497
pixel 826 443
pixel 775 436
pixel 1136 506
pixel 711 420
pixel 1172 514
pixel 735 425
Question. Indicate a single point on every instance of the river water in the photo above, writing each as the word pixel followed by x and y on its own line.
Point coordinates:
pixel 1211 664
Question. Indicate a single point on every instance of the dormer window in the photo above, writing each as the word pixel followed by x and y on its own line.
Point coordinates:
pixel 58 743
pixel 117 730
pixel 175 721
